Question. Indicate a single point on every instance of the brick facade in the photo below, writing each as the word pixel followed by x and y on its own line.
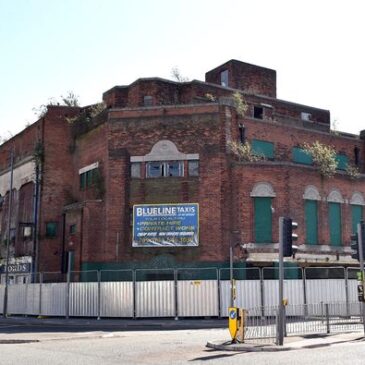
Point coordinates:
pixel 93 217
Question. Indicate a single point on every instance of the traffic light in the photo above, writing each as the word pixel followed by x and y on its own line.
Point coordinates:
pixel 289 236
pixel 355 247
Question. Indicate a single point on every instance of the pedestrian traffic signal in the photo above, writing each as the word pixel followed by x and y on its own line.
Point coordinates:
pixel 289 236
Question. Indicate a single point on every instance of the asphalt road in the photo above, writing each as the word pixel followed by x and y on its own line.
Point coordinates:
pixel 155 347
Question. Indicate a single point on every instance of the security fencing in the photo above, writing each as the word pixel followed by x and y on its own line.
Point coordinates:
pixel 185 292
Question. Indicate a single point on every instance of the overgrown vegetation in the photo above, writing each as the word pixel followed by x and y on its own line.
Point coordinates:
pixel 244 152
pixel 176 74
pixel 71 99
pixel 88 114
pixel 324 157
pixel 239 103
pixel 353 172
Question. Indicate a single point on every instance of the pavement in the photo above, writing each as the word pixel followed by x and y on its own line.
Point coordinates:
pixel 20 329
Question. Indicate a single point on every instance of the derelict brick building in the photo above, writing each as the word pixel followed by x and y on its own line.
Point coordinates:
pixel 78 173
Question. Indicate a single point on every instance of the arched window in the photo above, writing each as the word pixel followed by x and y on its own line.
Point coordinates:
pixel 262 194
pixel 335 200
pixel 311 198
pixel 357 202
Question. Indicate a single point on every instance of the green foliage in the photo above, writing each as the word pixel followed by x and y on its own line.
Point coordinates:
pixel 244 152
pixel 324 157
pixel 71 99
pixel 88 114
pixel 239 103
pixel 353 171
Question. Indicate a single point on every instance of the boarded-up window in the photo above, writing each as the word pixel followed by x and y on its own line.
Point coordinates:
pixel 311 221
pixel 356 215
pixel 334 215
pixel 263 220
pixel 263 148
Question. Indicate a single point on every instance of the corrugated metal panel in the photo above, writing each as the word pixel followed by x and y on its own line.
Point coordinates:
pixel 32 299
pixel 248 295
pixel 325 291
pixel 53 299
pixel 116 299
pixel 84 299
pixel 197 298
pixel 354 308
pixel 155 299
pixel 17 299
pixel 293 291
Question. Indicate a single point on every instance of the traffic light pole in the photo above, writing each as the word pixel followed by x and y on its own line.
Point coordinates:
pixel 360 227
pixel 280 324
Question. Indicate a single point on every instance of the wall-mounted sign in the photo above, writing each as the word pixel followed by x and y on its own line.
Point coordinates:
pixel 156 225
pixel 16 268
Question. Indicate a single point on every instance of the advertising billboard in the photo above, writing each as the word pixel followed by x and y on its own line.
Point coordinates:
pixel 158 225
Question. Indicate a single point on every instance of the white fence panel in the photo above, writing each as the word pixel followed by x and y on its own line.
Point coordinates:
pixel 325 291
pixel 155 299
pixel 53 301
pixel 354 307
pixel 84 299
pixel 32 299
pixel 17 302
pixel 248 295
pixel 116 299
pixel 197 298
pixel 292 290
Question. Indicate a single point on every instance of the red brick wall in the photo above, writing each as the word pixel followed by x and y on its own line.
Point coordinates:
pixel 251 79
pixel 57 176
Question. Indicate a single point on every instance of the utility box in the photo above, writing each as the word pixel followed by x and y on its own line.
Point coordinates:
pixel 236 324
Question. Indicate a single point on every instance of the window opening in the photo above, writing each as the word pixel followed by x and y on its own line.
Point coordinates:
pixel 165 169
pixel 147 100
pixel 258 112
pixel 224 78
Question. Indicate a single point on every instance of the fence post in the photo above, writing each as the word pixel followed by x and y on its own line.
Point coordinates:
pixel 68 294
pixel 98 274
pixel 134 293
pixel 219 292
pixel 304 278
pixel 40 293
pixel 175 295
pixel 347 292
pixel 327 318
pixel 262 301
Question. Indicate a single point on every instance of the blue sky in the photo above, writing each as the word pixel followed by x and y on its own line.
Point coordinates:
pixel 87 46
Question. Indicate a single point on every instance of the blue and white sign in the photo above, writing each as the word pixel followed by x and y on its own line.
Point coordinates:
pixel 158 225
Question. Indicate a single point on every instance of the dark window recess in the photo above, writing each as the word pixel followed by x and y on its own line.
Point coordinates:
pixel 72 228
pixel 147 100
pixel 258 112
pixel 88 178
pixel 357 156
pixel 193 167
pixel 51 229
pixel 242 132
pixel 224 78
